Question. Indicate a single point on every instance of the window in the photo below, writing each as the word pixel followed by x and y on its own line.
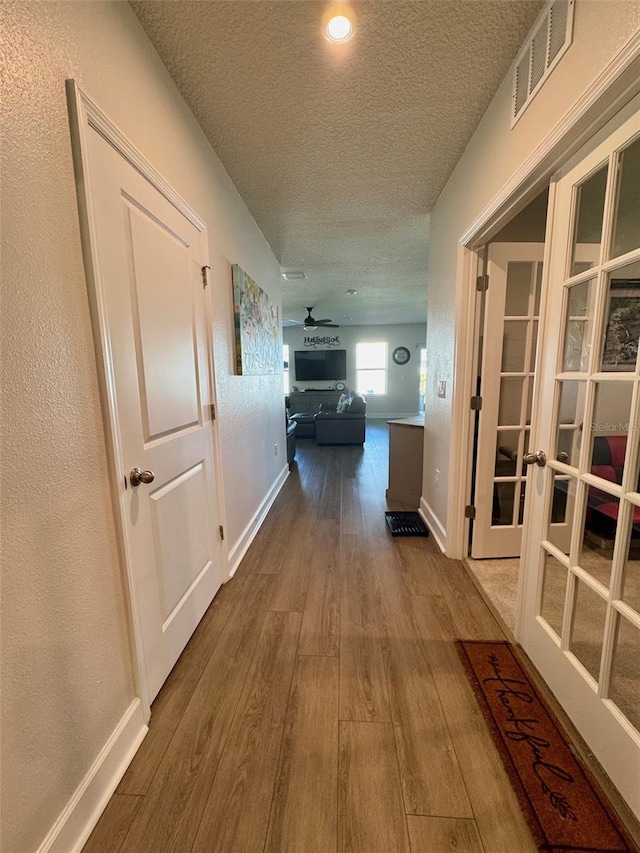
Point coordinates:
pixel 285 358
pixel 371 368
pixel 423 377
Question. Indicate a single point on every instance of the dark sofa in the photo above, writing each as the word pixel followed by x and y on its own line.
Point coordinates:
pixel 346 425
pixel 291 441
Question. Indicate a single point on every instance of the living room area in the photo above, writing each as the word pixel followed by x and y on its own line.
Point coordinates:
pixel 338 382
pixel 356 394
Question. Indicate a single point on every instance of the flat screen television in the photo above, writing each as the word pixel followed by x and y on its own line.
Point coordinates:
pixel 320 365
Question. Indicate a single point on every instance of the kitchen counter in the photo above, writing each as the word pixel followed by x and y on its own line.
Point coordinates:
pixel 406 447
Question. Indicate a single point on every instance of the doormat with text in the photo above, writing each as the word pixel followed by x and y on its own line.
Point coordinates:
pixel 563 805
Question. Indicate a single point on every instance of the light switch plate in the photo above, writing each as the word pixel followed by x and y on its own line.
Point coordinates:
pixel 442 388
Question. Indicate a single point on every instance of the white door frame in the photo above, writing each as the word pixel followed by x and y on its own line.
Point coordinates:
pixel 618 83
pixel 86 117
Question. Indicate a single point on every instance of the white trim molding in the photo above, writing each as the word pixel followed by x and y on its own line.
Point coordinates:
pixel 433 523
pixel 456 535
pixel 237 552
pixel 78 818
pixel 95 118
pixel 389 416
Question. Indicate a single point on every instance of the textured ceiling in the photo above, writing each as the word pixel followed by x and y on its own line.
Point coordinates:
pixel 340 151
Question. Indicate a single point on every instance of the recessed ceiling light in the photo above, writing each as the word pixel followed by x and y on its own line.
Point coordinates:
pixel 339 23
pixel 294 276
pixel 351 291
pixel 339 28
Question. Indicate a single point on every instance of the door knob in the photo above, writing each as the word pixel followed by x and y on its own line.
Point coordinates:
pixel 537 458
pixel 138 476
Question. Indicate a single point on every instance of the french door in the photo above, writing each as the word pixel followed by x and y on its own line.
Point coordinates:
pixel 581 612
pixel 511 315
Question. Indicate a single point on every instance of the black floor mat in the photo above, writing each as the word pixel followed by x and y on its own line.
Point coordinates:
pixel 406 524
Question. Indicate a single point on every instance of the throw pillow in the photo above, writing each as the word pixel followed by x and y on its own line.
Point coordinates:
pixel 343 404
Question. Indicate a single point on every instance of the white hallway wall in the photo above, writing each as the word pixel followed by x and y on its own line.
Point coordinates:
pixel 65 650
pixel 494 154
pixel 403 397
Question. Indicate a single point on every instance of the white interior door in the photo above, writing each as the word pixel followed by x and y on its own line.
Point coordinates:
pixel 511 315
pixel 147 258
pixel 581 610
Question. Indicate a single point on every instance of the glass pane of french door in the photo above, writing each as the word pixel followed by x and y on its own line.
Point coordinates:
pixel 582 614
pixel 590 197
pixel 626 232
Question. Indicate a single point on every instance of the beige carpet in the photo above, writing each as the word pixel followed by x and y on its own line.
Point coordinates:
pixel 499 579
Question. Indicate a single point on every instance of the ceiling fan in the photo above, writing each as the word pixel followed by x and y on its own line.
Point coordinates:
pixel 310 322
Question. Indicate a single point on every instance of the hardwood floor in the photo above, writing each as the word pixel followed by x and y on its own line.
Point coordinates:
pixel 321 706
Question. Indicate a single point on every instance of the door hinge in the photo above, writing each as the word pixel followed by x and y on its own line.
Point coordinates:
pixel 469 511
pixel 476 403
pixel 213 411
pixel 221 532
pixel 482 283
pixel 205 278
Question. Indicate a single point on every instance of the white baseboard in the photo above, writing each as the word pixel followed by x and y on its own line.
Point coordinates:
pixel 237 552
pixel 388 416
pixel 74 826
pixel 433 523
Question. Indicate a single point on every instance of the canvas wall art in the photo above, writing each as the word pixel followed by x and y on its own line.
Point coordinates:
pixel 257 324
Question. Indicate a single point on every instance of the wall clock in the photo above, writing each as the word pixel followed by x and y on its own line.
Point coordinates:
pixel 401 355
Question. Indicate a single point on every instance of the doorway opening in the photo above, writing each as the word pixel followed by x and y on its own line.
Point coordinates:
pixel 512 266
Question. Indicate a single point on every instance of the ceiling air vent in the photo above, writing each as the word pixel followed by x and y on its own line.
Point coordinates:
pixel 551 36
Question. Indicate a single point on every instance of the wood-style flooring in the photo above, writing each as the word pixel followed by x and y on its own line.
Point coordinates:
pixel 321 706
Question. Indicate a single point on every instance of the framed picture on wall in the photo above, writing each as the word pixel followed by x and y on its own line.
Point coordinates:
pixel 257 327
